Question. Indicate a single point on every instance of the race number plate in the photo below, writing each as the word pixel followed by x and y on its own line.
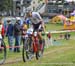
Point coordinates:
pixel 35 33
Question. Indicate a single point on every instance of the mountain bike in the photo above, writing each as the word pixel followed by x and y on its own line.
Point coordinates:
pixel 32 47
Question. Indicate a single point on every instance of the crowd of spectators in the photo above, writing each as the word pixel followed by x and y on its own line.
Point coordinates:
pixel 13 32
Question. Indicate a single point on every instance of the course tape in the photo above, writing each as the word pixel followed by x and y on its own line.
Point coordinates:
pixel 46 33
pixel 12 47
pixel 62 31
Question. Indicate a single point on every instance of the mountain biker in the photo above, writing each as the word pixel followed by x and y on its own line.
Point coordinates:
pixel 36 21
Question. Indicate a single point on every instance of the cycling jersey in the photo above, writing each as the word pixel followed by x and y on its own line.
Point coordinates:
pixel 35 18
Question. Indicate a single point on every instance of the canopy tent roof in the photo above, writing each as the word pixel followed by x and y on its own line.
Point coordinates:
pixel 62 17
pixel 73 13
pixel 59 19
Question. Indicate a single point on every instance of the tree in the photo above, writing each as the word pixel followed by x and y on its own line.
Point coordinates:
pixel 1 5
pixel 5 5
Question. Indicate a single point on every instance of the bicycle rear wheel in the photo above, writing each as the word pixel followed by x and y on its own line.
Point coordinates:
pixel 2 52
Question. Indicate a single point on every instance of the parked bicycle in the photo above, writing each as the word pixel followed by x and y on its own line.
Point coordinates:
pixel 32 47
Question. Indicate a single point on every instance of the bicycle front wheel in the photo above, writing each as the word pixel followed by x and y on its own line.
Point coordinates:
pixel 2 52
pixel 26 53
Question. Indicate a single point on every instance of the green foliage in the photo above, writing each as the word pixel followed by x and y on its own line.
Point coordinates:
pixel 5 5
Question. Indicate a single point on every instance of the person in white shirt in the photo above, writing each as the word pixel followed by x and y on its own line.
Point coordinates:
pixel 36 21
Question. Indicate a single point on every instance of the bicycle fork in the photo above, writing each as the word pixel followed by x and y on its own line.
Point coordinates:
pixel 35 44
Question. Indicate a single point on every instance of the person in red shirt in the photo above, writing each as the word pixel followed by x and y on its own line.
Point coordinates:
pixel 2 30
pixel 49 35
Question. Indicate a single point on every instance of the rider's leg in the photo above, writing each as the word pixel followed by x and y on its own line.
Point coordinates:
pixel 40 40
pixel 40 36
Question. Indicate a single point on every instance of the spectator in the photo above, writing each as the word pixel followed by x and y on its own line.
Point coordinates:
pixel 24 29
pixel 67 36
pixel 49 42
pixel 2 30
pixel 49 35
pixel 17 34
pixel 10 30
pixel 61 36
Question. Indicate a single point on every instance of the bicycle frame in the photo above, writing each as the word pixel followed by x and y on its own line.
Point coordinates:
pixel 36 42
pixel 34 37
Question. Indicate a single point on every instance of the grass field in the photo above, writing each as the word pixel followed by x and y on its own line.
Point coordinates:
pixel 59 55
